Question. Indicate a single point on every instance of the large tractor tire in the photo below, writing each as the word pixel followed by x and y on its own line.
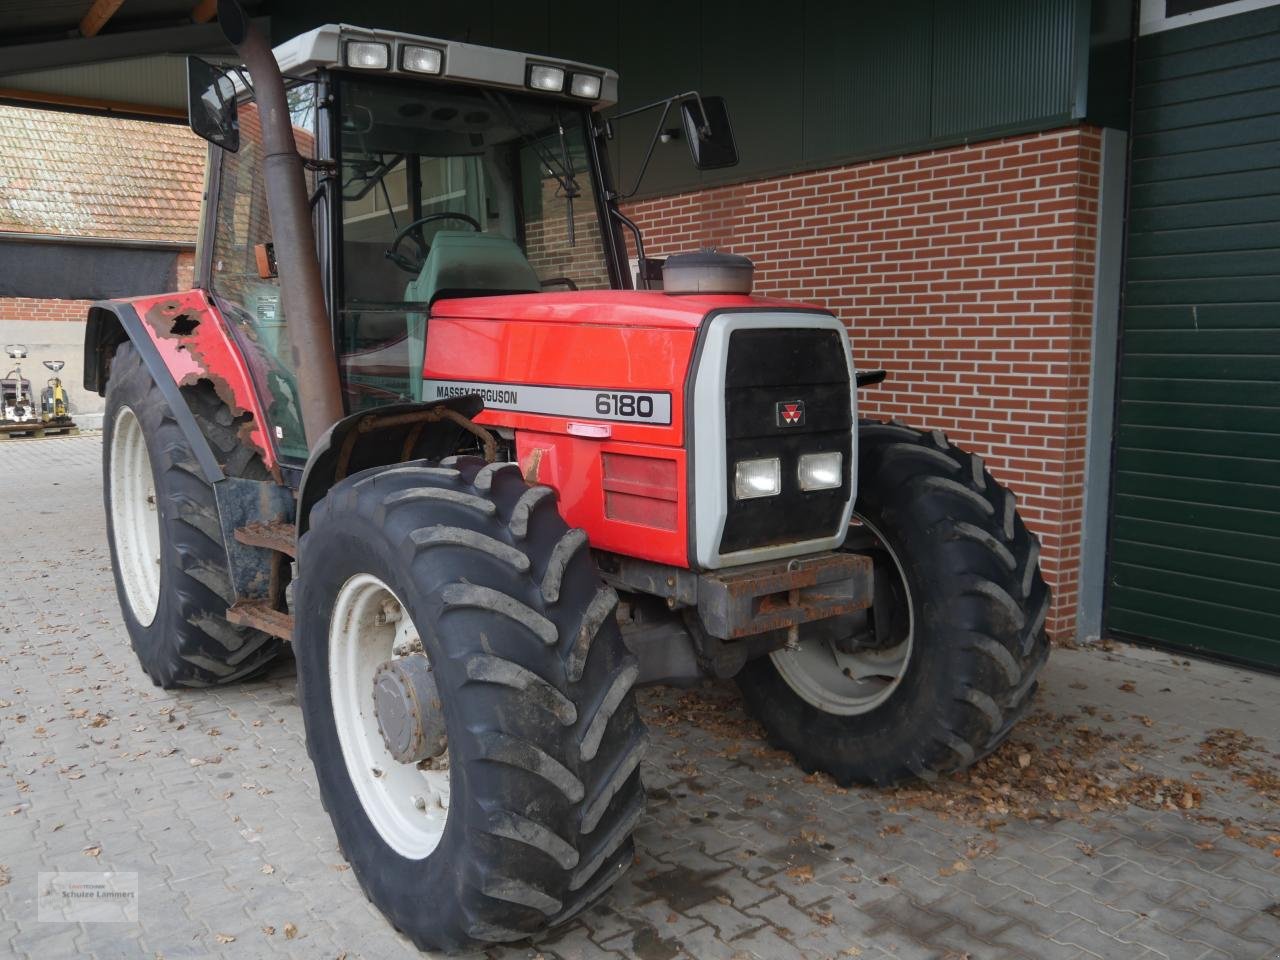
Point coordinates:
pixel 945 661
pixel 167 551
pixel 468 701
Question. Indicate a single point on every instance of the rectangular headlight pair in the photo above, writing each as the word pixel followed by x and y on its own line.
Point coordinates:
pixel 763 477
pixel 551 79
pixel 375 55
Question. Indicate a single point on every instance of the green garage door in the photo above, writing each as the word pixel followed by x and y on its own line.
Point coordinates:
pixel 1195 527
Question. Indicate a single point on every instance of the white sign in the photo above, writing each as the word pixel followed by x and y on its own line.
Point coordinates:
pixel 578 403
pixel 82 897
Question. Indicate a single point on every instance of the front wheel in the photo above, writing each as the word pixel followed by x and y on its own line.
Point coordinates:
pixel 167 549
pixel 468 701
pixel 938 670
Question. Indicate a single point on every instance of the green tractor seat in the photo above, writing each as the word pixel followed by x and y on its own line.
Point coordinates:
pixel 463 264
pixel 466 264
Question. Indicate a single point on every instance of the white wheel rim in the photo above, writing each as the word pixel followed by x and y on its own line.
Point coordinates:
pixel 135 517
pixel 408 806
pixel 848 684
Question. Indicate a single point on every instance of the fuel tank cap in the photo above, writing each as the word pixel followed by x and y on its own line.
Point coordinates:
pixel 707 271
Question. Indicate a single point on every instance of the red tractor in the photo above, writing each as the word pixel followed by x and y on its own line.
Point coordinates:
pixel 415 421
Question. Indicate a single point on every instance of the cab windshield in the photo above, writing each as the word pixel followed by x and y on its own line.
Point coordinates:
pixel 448 192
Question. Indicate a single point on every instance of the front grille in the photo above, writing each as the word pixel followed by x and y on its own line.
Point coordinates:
pixel 765 368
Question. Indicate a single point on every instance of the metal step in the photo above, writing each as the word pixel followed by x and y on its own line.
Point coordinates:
pixel 262 616
pixel 276 535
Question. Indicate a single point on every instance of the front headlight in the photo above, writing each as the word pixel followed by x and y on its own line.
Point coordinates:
pixel 368 55
pixel 586 85
pixel 757 478
pixel 545 77
pixel 820 471
pixel 421 59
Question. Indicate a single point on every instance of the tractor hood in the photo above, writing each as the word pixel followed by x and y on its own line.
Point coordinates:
pixel 614 308
pixel 618 399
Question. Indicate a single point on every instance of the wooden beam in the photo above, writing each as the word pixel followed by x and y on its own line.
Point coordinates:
pixel 98 15
pixel 204 11
pixel 115 45
pixel 139 111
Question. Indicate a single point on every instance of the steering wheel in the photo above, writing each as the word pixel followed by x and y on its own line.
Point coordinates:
pixel 414 232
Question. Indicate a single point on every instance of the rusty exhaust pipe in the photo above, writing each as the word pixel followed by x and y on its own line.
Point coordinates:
pixel 301 289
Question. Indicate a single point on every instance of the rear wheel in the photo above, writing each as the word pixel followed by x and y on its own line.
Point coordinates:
pixel 166 544
pixel 945 661
pixel 468 701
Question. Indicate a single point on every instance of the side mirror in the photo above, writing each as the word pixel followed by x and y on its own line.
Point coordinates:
pixel 707 129
pixel 211 105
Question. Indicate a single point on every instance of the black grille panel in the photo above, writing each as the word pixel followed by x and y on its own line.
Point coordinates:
pixel 765 368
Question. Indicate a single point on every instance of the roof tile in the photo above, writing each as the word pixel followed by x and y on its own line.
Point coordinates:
pixel 79 175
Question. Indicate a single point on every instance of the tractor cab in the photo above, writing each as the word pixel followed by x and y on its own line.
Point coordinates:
pixel 437 170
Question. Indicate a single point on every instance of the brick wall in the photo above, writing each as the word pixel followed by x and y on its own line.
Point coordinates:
pixel 968 275
pixel 547 240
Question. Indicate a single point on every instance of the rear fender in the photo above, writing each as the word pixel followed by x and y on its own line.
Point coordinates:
pixel 377 438
pixel 183 340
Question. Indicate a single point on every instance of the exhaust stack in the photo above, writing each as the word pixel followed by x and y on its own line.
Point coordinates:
pixel 301 288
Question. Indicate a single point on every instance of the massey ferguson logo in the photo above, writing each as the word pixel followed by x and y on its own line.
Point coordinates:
pixel 790 413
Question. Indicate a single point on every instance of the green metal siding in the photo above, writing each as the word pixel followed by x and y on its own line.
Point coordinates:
pixel 809 84
pixel 1195 538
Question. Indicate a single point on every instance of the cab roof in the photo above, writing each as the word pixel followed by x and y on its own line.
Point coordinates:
pixel 326 46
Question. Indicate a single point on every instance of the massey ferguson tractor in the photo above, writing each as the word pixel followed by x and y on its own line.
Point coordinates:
pixel 421 420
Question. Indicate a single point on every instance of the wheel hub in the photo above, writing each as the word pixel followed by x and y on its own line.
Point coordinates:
pixel 856 674
pixel 386 710
pixel 406 703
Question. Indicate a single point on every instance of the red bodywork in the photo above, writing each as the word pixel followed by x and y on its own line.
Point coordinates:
pixel 624 483
pixel 192 338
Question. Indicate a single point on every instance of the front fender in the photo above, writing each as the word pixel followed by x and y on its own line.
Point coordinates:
pixel 370 439
pixel 182 339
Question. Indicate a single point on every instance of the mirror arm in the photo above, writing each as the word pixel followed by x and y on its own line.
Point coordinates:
pixel 648 154
pixel 639 238
pixel 704 131
pixel 665 102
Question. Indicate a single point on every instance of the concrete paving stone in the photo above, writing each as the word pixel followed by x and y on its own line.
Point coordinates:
pixel 893 944
pixel 1038 916
pixel 782 914
pixel 1146 934
pixel 767 944
pixel 103 944
pixel 1245 871
pixel 727 921
pixel 704 943
pixel 1129 875
pixel 905 917
pixel 1107 917
pixel 47 940
pixel 602 922
pixel 1245 943
pixel 965 911
pixel 1087 936
pixel 1236 917
pixel 956 940
pixel 574 944
pixel 742 892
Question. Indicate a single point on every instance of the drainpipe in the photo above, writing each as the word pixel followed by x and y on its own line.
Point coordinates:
pixel 301 287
